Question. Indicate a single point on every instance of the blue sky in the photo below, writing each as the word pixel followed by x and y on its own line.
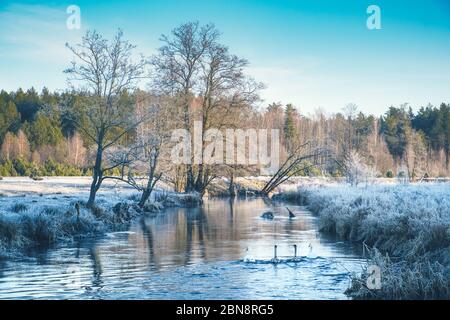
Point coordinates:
pixel 312 53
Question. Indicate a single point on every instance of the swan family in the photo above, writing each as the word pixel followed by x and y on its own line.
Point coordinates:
pixel 276 259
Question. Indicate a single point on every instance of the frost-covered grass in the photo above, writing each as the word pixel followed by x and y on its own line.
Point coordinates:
pixel 171 199
pixel 48 222
pixel 45 225
pixel 40 214
pixel 410 223
pixel 409 279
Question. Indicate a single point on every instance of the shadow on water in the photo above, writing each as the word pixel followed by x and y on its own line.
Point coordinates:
pixel 193 253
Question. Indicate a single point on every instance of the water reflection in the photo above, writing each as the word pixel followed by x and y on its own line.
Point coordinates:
pixel 223 230
pixel 189 254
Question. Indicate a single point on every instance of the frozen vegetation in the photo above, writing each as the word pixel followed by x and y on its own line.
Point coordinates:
pixel 44 213
pixel 407 228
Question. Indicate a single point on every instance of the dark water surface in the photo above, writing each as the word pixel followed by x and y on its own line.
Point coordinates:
pixel 219 251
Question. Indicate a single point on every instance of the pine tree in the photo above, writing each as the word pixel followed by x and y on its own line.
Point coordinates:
pixel 9 117
pixel 395 127
pixel 290 130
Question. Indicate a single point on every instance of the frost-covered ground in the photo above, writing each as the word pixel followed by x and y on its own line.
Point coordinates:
pixel 41 213
pixel 409 223
pixel 251 185
pixel 61 185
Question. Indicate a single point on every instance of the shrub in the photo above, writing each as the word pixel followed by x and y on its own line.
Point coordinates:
pixel 179 200
pixel 421 279
pixel 9 233
pixel 97 212
pixel 23 167
pixel 7 169
pixel 40 228
pixel 19 207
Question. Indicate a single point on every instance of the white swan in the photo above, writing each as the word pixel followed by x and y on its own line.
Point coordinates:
pixel 275 256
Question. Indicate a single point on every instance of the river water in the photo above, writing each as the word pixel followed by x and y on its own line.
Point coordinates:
pixel 222 250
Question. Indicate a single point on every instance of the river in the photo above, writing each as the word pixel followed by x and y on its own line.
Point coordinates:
pixel 222 250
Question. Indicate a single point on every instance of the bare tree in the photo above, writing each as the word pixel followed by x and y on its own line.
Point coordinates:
pixel 416 156
pixel 177 67
pixel 302 158
pixel 143 161
pixel 356 170
pixel 23 146
pixel 107 73
pixel 226 92
pixel 7 150
pixel 76 152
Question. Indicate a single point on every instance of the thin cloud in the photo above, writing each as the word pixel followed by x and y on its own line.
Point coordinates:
pixel 36 33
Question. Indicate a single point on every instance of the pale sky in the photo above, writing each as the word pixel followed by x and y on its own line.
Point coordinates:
pixel 312 53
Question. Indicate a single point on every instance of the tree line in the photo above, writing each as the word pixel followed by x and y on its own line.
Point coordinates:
pixel 103 125
pixel 35 130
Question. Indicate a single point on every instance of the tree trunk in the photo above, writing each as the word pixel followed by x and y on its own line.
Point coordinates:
pixel 150 184
pixel 145 195
pixel 187 125
pixel 179 179
pixel 96 178
pixel 202 175
pixel 231 188
pixel 199 181
pixel 189 179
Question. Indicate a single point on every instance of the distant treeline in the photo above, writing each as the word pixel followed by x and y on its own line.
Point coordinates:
pixel 38 135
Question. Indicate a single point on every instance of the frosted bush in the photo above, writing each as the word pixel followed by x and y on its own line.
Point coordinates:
pixel 44 220
pixel 172 199
pixel 411 223
pixel 44 225
pixel 356 171
pixel 420 279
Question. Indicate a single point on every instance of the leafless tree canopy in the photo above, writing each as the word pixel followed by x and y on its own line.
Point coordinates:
pixel 208 83
pixel 105 73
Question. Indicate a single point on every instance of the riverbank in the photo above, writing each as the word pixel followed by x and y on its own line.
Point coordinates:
pixel 41 214
pixel 407 225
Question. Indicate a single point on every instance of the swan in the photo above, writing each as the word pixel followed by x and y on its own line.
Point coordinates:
pixel 295 258
pixel 268 215
pixel 310 246
pixel 291 214
pixel 275 257
pixel 247 257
